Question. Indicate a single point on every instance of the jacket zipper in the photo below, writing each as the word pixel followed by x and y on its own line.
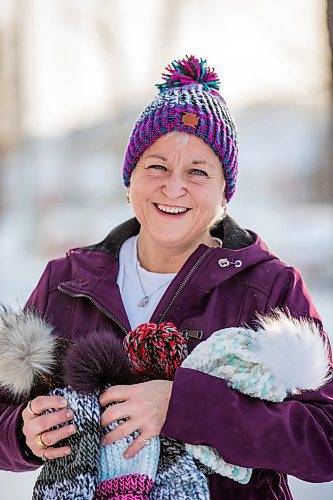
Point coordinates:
pixel 104 311
pixel 184 282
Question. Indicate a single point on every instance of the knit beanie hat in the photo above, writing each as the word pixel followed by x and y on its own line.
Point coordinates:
pixel 188 101
pixel 94 471
pixel 284 356
pixel 32 357
pixel 179 475
pixel 76 475
pixel 159 349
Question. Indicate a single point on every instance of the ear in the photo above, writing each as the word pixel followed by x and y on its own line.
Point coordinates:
pixel 223 203
pixel 223 198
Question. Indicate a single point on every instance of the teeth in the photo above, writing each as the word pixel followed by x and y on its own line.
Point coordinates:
pixel 171 210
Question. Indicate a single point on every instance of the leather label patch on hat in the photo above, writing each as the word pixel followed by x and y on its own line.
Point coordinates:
pixel 190 120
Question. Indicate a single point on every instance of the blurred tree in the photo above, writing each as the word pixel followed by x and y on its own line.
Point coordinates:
pixel 328 163
pixel 330 25
pixel 10 78
pixel 10 102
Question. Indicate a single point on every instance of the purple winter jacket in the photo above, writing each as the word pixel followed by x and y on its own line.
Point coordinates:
pixel 216 288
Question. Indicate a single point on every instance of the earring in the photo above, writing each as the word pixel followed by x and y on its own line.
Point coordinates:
pixel 128 197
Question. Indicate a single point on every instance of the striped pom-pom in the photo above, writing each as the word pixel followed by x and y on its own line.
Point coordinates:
pixel 153 348
pixel 189 70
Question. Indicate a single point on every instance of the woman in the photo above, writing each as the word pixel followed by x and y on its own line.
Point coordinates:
pixel 183 260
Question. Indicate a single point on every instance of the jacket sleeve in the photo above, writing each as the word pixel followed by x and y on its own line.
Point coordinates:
pixel 14 456
pixel 293 437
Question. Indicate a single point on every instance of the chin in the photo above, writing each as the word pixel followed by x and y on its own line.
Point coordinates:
pixel 172 240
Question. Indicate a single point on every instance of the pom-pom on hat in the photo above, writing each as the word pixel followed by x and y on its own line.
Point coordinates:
pixel 188 101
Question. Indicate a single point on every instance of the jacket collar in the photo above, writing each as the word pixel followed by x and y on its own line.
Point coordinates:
pixel 95 269
pixel 234 237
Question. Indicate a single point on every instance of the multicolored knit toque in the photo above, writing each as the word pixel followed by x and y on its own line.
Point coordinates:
pixel 179 476
pixel 76 475
pixel 87 368
pixel 284 356
pixel 158 350
pixel 90 367
pixel 188 101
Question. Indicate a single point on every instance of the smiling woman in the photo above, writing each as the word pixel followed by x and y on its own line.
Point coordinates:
pixel 252 401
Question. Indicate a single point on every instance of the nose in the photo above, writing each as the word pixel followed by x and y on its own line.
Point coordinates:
pixel 174 185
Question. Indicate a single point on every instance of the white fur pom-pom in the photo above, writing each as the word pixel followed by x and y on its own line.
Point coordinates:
pixel 27 348
pixel 294 350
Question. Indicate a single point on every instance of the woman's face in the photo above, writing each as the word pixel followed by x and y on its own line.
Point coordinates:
pixel 176 191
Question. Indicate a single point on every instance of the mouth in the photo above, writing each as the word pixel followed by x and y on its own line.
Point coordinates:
pixel 171 210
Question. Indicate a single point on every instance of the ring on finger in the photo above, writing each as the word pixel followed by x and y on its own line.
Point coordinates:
pixel 40 442
pixel 146 441
pixel 31 410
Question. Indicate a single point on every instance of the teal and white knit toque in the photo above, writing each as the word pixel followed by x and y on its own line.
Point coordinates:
pixel 113 465
pixel 285 356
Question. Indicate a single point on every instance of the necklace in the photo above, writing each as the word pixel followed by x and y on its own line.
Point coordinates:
pixel 145 299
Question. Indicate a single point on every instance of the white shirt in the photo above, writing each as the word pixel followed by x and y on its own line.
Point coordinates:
pixel 154 284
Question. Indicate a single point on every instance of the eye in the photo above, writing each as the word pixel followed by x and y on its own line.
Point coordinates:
pixel 157 167
pixel 198 171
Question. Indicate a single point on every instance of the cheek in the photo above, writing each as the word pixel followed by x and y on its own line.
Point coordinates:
pixel 209 201
pixel 139 201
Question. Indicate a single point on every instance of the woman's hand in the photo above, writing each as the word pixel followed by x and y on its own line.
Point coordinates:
pixel 145 405
pixel 35 424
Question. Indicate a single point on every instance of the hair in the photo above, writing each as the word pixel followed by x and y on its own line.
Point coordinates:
pixel 181 137
pixel 219 217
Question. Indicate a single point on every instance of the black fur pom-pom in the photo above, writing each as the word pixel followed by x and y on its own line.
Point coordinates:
pixel 96 361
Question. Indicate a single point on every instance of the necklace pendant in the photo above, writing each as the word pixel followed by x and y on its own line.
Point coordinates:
pixel 144 302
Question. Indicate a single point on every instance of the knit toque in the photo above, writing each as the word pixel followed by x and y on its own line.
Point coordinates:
pixel 188 101
pixel 284 356
pixel 76 475
pixel 94 471
pixel 158 350
pixel 178 474
pixel 34 359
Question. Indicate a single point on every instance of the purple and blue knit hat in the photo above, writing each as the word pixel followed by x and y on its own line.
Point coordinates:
pixel 188 101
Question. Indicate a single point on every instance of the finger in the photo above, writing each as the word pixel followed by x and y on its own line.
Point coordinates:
pixel 135 447
pixel 52 437
pixel 115 394
pixel 42 403
pixel 47 421
pixel 52 453
pixel 121 431
pixel 115 412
